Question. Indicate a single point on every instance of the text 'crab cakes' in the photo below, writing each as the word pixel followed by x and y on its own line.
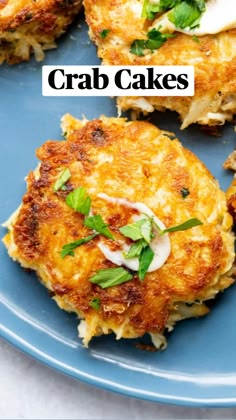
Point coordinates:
pixel 145 32
pixel 125 227
pixel 28 26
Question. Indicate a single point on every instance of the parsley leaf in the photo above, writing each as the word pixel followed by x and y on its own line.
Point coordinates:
pixel 104 33
pixel 111 277
pixel 187 14
pixel 142 229
pixel 136 249
pixel 168 4
pixel 141 233
pixel 196 39
pixel 145 260
pixel 201 4
pixel 79 201
pixel 155 40
pixel 63 177
pixel 96 223
pixel 184 226
pixel 133 230
pixel 150 10
pixel 68 249
pixel 137 47
pixel 146 230
pixel 184 14
pixel 95 303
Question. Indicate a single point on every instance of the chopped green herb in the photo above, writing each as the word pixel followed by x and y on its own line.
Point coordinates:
pixel 187 13
pixel 201 4
pixel 168 4
pixel 136 249
pixel 184 226
pixel 68 249
pixel 184 13
pixel 79 201
pixel 133 230
pixel 64 176
pixel 96 223
pixel 142 229
pixel 150 10
pixel 196 39
pixel 184 192
pixel 154 41
pixel 145 260
pixel 111 277
pixel 138 46
pixel 95 303
pixel 146 230
pixel 104 33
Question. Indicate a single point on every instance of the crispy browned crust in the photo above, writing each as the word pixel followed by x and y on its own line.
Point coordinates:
pixel 200 257
pixel 230 164
pixel 231 199
pixel 37 22
pixel 214 59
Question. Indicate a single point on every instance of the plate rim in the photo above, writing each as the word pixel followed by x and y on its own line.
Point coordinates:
pixel 9 333
pixel 28 348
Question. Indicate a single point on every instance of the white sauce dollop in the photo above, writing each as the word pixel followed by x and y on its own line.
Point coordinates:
pixel 159 244
pixel 219 16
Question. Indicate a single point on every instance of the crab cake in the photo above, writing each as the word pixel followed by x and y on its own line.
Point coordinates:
pixel 127 33
pixel 28 26
pixel 125 227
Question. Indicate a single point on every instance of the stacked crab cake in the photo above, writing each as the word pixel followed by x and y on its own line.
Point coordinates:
pixel 125 227
pixel 32 26
pixel 160 32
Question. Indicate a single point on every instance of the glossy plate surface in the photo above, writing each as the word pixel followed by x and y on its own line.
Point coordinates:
pixel 199 365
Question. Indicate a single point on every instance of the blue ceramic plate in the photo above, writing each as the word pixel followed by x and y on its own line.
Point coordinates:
pixel 199 365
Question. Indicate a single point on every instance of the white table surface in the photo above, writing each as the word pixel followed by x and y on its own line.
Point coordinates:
pixel 30 390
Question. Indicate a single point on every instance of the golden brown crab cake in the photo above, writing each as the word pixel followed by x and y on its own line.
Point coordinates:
pixel 28 26
pixel 126 168
pixel 213 56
